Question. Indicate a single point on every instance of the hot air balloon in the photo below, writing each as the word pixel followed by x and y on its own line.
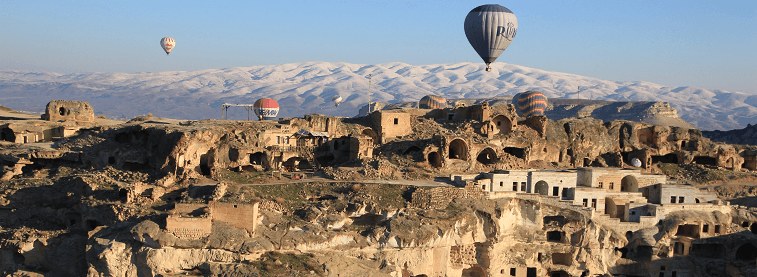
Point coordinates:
pixel 636 162
pixel 432 102
pixel 490 30
pixel 266 108
pixel 530 103
pixel 337 100
pixel 167 43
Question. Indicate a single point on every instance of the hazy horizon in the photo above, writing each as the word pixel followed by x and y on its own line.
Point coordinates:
pixel 677 43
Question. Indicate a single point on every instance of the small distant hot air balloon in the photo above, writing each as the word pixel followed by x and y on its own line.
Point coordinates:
pixel 530 103
pixel 337 100
pixel 490 30
pixel 167 43
pixel 432 102
pixel 266 108
pixel 636 162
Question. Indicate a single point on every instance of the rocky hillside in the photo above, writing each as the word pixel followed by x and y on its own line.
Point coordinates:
pixel 747 135
pixel 305 88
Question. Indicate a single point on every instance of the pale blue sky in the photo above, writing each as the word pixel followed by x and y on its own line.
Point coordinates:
pixel 710 44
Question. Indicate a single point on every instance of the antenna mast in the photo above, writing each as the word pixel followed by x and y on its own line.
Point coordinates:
pixel 369 92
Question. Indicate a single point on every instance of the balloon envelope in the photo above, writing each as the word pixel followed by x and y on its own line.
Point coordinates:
pixel 266 108
pixel 490 29
pixel 337 100
pixel 530 103
pixel 167 43
pixel 432 102
pixel 636 162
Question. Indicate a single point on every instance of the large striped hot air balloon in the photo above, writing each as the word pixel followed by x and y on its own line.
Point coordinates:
pixel 530 103
pixel 168 44
pixel 432 102
pixel 490 29
pixel 266 108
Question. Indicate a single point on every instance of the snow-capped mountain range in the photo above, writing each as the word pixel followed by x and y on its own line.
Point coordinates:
pixel 303 88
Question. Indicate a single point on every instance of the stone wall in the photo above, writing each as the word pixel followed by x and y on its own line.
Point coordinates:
pixel 677 194
pixel 440 197
pixel 243 216
pixel 460 255
pixel 391 124
pixel 189 227
pixel 63 110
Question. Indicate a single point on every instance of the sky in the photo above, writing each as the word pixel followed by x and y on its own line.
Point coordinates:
pixel 710 44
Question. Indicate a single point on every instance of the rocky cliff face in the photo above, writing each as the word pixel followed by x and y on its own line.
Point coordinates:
pixel 141 199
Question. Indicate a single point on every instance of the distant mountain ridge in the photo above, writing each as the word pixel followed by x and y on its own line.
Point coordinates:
pixel 747 135
pixel 303 88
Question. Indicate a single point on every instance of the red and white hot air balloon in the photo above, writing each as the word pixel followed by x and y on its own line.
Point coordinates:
pixel 168 44
pixel 266 109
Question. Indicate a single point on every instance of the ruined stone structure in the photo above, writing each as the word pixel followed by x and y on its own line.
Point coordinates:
pixel 64 110
pixel 391 124
pixel 194 220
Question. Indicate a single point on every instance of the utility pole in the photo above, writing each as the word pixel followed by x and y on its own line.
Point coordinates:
pixel 369 92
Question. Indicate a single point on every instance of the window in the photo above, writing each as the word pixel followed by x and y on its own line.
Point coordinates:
pixel 705 228
pixel 673 274
pixel 672 199
pixel 450 116
pixel 555 191
pixel 633 212
pixel 501 184
pixel 586 202
pixel 594 203
pixel 278 139
pixel 522 186
pixel 512 271
pixel 483 187
pixel 515 186
pixel 717 229
pixel 601 184
pixel 612 185
pixel 680 199
pixel 396 121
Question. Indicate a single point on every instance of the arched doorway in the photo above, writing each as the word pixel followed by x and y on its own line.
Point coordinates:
pixel 629 184
pixel 746 252
pixel 458 150
pixel 257 158
pixel 369 132
pixel 541 188
pixel 296 163
pixel 487 156
pixel 204 167
pixel 434 159
pixel 473 271
pixel 671 158
pixel 503 124
pixel 410 150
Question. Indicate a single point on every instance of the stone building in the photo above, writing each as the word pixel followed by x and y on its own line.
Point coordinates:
pixel 677 194
pixel 390 124
pixel 195 220
pixel 65 110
